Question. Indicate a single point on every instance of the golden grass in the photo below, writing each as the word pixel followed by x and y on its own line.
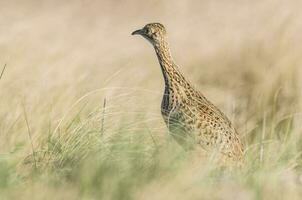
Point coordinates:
pixel 63 59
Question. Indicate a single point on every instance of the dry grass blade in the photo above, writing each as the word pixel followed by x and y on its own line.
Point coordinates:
pixel 2 72
pixel 30 136
pixel 262 138
pixel 103 117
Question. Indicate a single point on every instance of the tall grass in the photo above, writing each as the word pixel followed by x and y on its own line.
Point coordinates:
pixel 79 100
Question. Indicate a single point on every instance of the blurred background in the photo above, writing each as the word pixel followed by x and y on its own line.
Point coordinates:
pixel 61 56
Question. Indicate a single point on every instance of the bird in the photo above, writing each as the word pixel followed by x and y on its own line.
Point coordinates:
pixel 193 121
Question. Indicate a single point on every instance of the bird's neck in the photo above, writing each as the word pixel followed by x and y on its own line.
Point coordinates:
pixel 169 69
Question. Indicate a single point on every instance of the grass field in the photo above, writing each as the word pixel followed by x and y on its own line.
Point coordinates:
pixel 80 98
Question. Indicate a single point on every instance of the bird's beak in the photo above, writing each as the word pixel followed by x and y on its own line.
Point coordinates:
pixel 137 32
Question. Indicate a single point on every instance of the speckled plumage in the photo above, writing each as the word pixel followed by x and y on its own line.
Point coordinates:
pixel 193 121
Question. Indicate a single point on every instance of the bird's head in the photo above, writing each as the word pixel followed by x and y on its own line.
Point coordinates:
pixel 153 32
